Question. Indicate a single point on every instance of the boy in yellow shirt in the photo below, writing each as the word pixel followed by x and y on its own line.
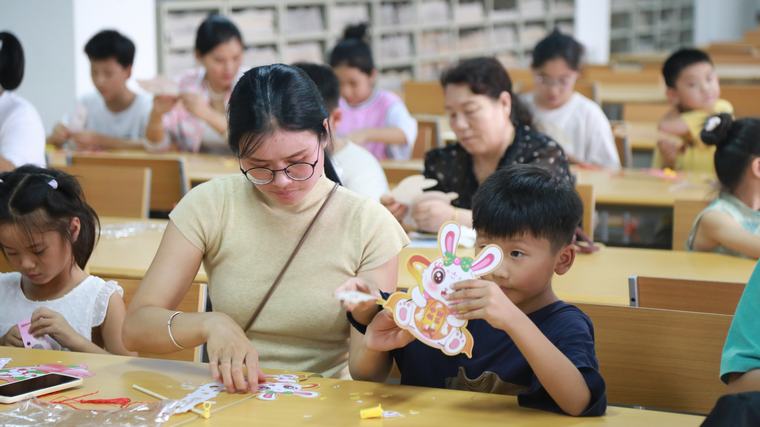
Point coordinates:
pixel 694 93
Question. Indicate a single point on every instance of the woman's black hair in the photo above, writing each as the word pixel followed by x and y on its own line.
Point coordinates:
pixel 737 143
pixel 213 31
pixel 273 97
pixel 486 76
pixel 558 45
pixel 37 199
pixel 353 50
pixel 11 61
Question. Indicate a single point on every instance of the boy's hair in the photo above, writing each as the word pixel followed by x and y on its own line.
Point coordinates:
pixel 353 50
pixel 326 81
pixel 486 76
pixel 679 60
pixel 522 199
pixel 111 44
pixel 38 200
pixel 558 45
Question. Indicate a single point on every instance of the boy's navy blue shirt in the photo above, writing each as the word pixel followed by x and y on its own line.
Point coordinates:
pixel 498 366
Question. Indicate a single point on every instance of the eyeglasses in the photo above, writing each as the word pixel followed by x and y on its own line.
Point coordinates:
pixel 562 82
pixel 300 171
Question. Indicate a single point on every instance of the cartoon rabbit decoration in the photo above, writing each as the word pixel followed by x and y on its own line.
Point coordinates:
pixel 424 310
pixel 284 384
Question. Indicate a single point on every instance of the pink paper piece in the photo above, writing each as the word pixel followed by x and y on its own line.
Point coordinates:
pixel 30 341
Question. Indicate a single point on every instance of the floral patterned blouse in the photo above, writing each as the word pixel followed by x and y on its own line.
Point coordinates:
pixel 452 167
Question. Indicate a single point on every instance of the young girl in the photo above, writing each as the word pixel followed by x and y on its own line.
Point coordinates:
pixel 47 233
pixel 573 120
pixel 731 223
pixel 374 118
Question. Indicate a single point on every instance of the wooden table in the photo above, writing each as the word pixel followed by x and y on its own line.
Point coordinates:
pixel 602 277
pixel 641 188
pixel 611 93
pixel 338 403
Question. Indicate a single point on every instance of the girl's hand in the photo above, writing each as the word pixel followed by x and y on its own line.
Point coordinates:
pixel 430 214
pixel 12 338
pixel 396 209
pixel 48 322
pixel 195 104
pixel 363 311
pixel 232 358
pixel 483 299
pixel 384 335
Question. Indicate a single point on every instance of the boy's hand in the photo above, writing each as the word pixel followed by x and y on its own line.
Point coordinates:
pixel 363 312
pixel 12 338
pixel 162 104
pixel 670 149
pixel 384 335
pixel 398 210
pixel 60 134
pixel 482 299
pixel 87 140
pixel 48 322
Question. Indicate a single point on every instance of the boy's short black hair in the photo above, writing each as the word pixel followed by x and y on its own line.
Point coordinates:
pixel 111 44
pixel 679 60
pixel 326 81
pixel 527 199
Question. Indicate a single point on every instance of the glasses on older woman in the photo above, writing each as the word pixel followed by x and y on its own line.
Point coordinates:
pixel 299 171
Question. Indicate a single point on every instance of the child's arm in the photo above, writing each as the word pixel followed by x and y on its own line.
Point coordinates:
pixel 481 299
pixel 60 134
pixel 364 363
pixel 49 322
pixel 718 228
pixel 112 326
pixel 748 381
pixel 389 135
pixel 671 128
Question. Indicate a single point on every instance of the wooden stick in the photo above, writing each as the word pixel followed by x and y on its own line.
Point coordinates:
pixel 158 396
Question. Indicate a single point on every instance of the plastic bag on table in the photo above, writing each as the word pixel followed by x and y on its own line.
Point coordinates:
pixel 34 412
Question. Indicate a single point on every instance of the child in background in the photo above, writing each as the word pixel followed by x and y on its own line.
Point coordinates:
pixel 570 118
pixel 358 170
pixel 47 233
pixel 731 223
pixel 374 118
pixel 527 341
pixel 740 363
pixel 694 93
pixel 115 117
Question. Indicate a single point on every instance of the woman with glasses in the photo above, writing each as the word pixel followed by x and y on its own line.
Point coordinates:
pixel 573 120
pixel 493 131
pixel 245 228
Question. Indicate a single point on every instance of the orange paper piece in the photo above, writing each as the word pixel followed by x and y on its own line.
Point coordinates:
pixel 424 310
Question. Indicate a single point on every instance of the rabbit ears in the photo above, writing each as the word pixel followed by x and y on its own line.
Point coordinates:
pixel 486 261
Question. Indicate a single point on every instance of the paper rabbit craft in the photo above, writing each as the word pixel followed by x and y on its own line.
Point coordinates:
pixel 284 384
pixel 424 310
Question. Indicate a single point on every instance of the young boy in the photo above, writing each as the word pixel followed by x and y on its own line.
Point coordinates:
pixel 527 341
pixel 115 117
pixel 358 169
pixel 694 93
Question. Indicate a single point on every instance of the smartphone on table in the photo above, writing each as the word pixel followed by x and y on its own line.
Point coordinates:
pixel 37 386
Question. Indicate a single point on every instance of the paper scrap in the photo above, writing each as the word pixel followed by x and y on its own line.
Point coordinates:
pixel 4 361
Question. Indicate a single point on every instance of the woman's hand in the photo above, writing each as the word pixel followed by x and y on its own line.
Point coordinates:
pixel 195 104
pixel 162 104
pixel 12 338
pixel 384 335
pixel 430 214
pixel 48 322
pixel 232 358
pixel 396 209
pixel 362 311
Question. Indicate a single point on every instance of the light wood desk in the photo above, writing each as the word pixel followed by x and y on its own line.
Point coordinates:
pixel 339 401
pixel 636 187
pixel 612 93
pixel 602 277
pixel 642 136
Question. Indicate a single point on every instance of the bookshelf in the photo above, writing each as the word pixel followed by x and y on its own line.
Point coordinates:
pixel 410 38
pixel 650 25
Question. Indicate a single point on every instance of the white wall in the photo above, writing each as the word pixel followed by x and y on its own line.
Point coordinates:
pixel 53 34
pixel 592 29
pixel 48 41
pixel 723 20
